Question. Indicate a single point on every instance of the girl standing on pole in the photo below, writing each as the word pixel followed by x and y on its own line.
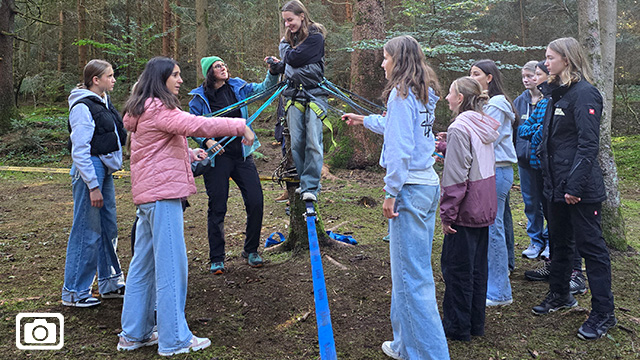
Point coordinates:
pixel 302 50
pixel 411 202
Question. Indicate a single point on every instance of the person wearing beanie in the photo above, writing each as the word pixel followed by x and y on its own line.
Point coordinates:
pixel 235 161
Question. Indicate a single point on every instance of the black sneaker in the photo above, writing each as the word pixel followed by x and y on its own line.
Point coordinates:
pixel 554 302
pixel 540 274
pixel 115 294
pixel 597 325
pixel 577 284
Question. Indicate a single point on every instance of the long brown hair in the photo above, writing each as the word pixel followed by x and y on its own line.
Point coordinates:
pixel 95 67
pixel 473 97
pixel 410 69
pixel 152 84
pixel 578 67
pixel 306 25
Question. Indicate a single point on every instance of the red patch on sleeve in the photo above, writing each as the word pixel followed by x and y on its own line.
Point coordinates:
pixel 592 112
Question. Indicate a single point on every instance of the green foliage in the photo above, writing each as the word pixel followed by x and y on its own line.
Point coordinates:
pixel 47 86
pixel 627 156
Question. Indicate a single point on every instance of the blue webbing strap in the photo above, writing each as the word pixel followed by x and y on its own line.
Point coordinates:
pixel 339 95
pixel 323 316
pixel 343 90
pixel 244 102
pixel 252 117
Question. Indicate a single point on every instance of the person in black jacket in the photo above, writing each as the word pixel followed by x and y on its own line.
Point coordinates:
pixel 302 51
pixel 574 186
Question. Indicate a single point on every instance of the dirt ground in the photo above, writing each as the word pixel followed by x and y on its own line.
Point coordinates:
pixel 268 313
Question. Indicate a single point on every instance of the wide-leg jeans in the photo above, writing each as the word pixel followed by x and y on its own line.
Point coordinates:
pixel 93 239
pixel 158 272
pixel 416 323
pixel 498 283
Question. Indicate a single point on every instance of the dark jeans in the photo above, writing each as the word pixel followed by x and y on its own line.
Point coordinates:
pixel 464 269
pixel 216 180
pixel 508 233
pixel 579 226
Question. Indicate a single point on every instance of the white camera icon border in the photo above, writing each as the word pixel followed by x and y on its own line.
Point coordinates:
pixel 19 334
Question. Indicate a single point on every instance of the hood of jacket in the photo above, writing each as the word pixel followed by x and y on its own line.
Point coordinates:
pixel 484 126
pixel 79 94
pixel 501 102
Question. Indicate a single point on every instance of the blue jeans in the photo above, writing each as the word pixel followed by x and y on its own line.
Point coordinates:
pixel 498 284
pixel 414 309
pixel 532 197
pixel 93 239
pixel 306 145
pixel 158 270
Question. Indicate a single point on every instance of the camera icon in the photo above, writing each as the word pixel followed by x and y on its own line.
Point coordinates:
pixel 39 331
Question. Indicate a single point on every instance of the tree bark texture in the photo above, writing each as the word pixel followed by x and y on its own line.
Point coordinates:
pixel 202 29
pixel 597 25
pixel 82 24
pixel 8 108
pixel 60 41
pixel 367 78
pixel 166 25
pixel 176 37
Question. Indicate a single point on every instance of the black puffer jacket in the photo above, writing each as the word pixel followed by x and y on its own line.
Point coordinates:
pixel 570 143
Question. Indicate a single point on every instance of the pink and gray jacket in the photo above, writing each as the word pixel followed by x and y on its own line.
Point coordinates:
pixel 160 156
pixel 468 180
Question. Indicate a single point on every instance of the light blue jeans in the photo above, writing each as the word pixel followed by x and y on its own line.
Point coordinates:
pixel 532 197
pixel 93 239
pixel 498 284
pixel 416 323
pixel 306 145
pixel 158 270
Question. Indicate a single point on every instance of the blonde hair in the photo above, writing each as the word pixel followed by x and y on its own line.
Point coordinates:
pixel 306 26
pixel 95 67
pixel 530 66
pixel 473 97
pixel 410 69
pixel 578 67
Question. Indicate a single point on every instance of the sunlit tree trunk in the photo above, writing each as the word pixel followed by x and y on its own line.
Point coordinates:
pixel 60 41
pixel 597 25
pixel 367 78
pixel 202 30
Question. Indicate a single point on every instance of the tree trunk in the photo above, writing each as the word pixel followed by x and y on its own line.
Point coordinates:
pixel 8 108
pixel 176 37
pixel 202 32
pixel 166 25
pixel 367 79
pixel 597 25
pixel 60 41
pixel 82 23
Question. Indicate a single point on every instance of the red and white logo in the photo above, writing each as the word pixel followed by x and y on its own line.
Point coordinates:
pixel 592 112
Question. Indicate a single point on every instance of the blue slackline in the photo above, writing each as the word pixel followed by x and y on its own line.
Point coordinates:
pixel 323 316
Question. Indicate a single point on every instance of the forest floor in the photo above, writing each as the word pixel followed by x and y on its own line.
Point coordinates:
pixel 268 313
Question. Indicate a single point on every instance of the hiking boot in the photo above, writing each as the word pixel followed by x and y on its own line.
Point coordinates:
pixel 125 345
pixel 540 274
pixel 84 303
pixel 309 197
pixel 498 302
pixel 532 251
pixel 597 325
pixel 577 284
pixel 217 268
pixel 253 259
pixel 115 294
pixel 196 344
pixel 386 348
pixel 554 302
pixel 544 255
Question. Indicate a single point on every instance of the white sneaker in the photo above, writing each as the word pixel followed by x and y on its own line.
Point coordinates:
pixel 498 303
pixel 309 197
pixel 196 344
pixel 125 345
pixel 84 303
pixel 386 348
pixel 298 190
pixel 532 251
pixel 545 253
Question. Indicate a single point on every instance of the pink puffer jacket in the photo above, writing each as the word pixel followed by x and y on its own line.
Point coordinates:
pixel 160 156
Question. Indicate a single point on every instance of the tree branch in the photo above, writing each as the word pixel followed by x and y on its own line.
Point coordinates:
pixel 35 19
pixel 17 37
